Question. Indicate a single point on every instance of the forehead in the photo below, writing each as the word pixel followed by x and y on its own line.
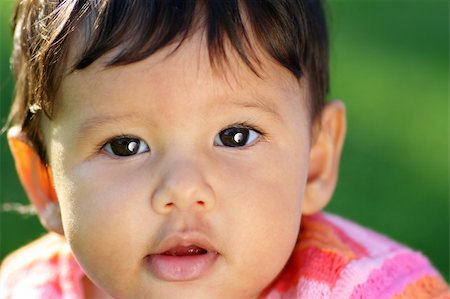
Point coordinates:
pixel 177 66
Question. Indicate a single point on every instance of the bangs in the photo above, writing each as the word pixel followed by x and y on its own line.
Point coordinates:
pixel 141 28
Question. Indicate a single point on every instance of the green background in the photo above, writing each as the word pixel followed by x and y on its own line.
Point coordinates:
pixel 390 65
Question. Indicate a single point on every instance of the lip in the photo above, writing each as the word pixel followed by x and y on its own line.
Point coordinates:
pixel 182 268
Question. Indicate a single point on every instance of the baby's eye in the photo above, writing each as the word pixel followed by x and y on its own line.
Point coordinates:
pixel 236 137
pixel 125 146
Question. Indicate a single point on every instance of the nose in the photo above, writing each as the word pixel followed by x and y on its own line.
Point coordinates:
pixel 183 187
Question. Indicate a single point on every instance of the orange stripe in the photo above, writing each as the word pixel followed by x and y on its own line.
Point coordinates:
pixel 314 232
pixel 428 287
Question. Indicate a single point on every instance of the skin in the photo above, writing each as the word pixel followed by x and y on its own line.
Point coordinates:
pixel 246 202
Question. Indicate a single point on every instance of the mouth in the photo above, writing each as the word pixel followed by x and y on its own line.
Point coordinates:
pixel 181 251
pixel 182 261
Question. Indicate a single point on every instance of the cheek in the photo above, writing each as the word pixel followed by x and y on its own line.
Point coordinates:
pixel 103 215
pixel 264 210
pixel 91 196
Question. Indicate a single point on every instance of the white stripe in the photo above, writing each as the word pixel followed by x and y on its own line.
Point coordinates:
pixel 308 288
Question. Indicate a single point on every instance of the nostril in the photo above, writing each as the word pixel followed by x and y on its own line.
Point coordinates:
pixel 200 202
pixel 170 204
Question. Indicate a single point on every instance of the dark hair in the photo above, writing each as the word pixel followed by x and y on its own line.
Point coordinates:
pixel 292 32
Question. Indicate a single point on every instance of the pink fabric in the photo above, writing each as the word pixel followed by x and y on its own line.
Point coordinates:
pixel 402 268
pixel 43 269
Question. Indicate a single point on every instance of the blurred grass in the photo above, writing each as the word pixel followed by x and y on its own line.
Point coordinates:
pixel 390 65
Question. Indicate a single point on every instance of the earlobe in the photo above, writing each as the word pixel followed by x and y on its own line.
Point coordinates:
pixel 36 179
pixel 324 158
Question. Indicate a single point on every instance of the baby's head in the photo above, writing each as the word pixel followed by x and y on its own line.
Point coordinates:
pixel 175 144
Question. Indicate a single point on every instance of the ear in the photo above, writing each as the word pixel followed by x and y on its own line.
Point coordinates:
pixel 36 179
pixel 325 155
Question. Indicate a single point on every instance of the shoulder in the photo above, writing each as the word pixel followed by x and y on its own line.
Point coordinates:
pixel 44 248
pixel 383 267
pixel 39 269
pixel 336 258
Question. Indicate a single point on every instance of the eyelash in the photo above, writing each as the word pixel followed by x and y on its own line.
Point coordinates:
pixel 248 125
pixel 102 147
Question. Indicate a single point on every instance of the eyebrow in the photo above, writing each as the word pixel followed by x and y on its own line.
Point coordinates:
pixel 260 103
pixel 103 119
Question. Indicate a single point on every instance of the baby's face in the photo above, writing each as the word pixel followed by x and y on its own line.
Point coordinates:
pixel 175 180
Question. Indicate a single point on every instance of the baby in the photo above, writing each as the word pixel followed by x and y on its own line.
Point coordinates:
pixel 184 149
